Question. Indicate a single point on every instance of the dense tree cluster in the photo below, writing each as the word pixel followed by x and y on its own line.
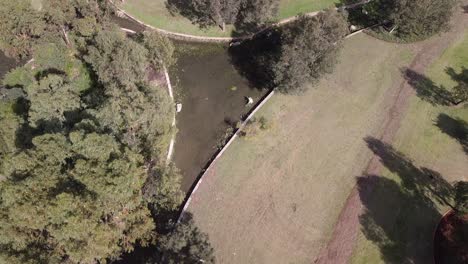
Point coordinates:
pixel 293 56
pixel 82 164
pixel 412 19
pixel 308 50
pixel 186 244
pixel 22 26
pixel 247 15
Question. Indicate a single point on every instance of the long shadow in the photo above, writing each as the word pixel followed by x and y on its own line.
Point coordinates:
pixel 455 128
pixel 397 220
pixel 423 181
pixel 400 215
pixel 461 89
pixel 253 58
pixel 427 90
pixel 461 78
pixel 187 8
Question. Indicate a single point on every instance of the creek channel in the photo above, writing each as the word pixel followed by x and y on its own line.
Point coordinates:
pixel 213 95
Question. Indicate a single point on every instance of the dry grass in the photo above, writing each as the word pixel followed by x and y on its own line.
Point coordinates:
pixel 427 146
pixel 275 199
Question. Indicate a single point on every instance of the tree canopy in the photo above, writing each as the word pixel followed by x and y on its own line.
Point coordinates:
pixel 412 19
pixel 82 151
pixel 186 244
pixel 22 27
pixel 308 50
pixel 247 15
pixel 291 57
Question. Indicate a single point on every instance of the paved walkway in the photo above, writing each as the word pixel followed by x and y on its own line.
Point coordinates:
pixel 196 38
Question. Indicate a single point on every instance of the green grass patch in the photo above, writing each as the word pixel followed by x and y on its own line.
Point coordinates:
pixel 155 13
pixel 289 8
pixel 294 178
pixel 403 226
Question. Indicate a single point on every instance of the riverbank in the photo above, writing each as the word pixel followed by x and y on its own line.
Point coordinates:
pixel 157 14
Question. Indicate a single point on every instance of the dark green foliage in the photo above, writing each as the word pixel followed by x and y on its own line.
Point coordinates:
pixel 186 244
pixel 247 15
pixel 77 148
pixel 412 19
pixel 134 110
pixel 9 124
pixel 19 77
pixel 22 27
pixel 291 57
pixel 52 56
pixel 160 49
pixel 254 14
pixel 162 190
pixel 308 50
pixel 116 59
pixel 52 88
pixel 74 198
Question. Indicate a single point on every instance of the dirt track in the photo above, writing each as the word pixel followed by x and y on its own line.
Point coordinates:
pixel 343 241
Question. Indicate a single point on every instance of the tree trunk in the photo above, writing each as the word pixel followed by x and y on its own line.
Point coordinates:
pixel 223 26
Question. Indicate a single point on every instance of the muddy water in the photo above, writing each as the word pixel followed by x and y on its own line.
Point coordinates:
pixel 213 96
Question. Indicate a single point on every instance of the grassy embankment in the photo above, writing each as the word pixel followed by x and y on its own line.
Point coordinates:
pixel 275 198
pixel 155 13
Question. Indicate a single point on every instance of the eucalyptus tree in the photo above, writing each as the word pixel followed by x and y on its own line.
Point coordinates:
pixel 415 19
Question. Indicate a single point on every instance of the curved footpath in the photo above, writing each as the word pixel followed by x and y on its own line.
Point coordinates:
pixel 344 237
pixel 195 38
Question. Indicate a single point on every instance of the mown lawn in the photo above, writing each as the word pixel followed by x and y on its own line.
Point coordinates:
pixel 155 13
pixel 275 198
pixel 406 205
pixel 289 8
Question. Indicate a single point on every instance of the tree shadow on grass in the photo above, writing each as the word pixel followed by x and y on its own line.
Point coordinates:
pixel 461 78
pixel 422 181
pixel 187 9
pixel 435 94
pixel 397 220
pixel 460 92
pixel 455 128
pixel 427 90
pixel 400 216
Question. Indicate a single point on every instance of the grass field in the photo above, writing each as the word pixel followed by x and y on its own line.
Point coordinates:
pixel 155 13
pixel 275 198
pixel 289 8
pixel 405 235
